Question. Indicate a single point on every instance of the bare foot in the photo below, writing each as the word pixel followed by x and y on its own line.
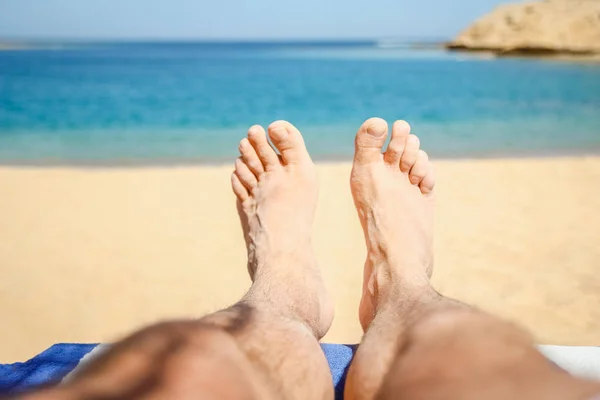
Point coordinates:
pixel 393 194
pixel 277 197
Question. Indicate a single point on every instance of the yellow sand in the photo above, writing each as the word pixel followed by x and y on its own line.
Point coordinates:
pixel 87 255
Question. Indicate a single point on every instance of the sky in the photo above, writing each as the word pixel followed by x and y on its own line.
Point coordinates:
pixel 237 19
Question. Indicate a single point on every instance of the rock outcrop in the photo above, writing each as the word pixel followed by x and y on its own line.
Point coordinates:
pixel 549 27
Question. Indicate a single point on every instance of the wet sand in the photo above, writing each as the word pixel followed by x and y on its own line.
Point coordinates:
pixel 87 255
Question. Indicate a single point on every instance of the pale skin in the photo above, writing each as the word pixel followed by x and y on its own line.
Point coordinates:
pixel 417 344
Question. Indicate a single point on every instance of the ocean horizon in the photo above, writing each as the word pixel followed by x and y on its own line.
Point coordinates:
pixel 163 103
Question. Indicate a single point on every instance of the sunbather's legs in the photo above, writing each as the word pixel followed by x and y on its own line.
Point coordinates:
pixel 418 344
pixel 264 347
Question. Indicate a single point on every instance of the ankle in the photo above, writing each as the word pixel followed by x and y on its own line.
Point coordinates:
pixel 389 278
pixel 300 302
pixel 394 289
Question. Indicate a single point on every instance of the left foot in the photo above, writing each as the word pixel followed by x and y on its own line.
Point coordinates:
pixel 277 197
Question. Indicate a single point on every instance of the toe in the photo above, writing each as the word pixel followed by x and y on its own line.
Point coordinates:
pixel 238 188
pixel 411 151
pixel 369 141
pixel 246 176
pixel 258 139
pixel 288 140
pixel 420 169
pixel 251 158
pixel 428 183
pixel 400 132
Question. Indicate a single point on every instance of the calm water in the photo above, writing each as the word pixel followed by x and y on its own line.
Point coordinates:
pixel 163 103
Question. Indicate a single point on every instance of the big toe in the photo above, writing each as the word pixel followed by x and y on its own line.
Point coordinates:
pixel 370 140
pixel 288 140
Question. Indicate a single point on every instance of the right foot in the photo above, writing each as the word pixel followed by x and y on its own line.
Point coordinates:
pixel 277 197
pixel 393 194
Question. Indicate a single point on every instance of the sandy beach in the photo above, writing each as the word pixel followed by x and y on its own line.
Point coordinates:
pixel 87 255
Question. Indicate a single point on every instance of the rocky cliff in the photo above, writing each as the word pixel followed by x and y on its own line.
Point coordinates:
pixel 542 27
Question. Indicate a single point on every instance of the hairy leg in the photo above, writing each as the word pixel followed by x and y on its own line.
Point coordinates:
pixel 418 344
pixel 264 347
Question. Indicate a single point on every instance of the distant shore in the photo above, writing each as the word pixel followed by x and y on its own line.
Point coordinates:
pixel 541 54
pixel 12 47
pixel 425 45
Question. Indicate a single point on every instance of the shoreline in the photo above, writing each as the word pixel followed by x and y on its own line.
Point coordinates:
pixel 319 160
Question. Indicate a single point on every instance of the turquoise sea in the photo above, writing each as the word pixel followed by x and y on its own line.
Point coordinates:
pixel 163 103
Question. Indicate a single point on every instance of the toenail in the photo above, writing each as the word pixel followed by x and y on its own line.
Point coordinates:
pixel 279 133
pixel 253 130
pixel 376 130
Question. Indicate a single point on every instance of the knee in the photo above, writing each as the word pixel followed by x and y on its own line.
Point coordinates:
pixel 210 363
pixel 191 355
pixel 460 351
pixel 187 339
pixel 467 328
